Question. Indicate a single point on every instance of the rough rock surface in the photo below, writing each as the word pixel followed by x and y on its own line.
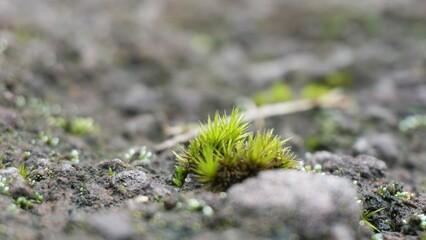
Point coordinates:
pixel 132 183
pixel 356 168
pixel 18 186
pixel 271 205
pixel 382 146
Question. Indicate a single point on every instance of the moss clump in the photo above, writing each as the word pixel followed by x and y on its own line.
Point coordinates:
pixel 225 153
pixel 314 91
pixel 279 92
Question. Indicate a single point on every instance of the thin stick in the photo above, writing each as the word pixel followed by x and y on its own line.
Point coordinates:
pixel 334 99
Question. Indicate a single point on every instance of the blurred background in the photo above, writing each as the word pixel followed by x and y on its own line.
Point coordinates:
pixel 140 67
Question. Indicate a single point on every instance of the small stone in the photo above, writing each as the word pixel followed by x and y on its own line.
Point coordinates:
pixel 355 168
pixel 112 225
pixel 139 99
pixel 141 199
pixel 131 183
pixel 169 203
pixel 18 186
pixel 283 203
pixel 144 125
pixel 10 117
pixel 382 146
pixel 115 164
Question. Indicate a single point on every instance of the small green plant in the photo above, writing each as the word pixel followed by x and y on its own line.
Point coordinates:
pixel 341 78
pixel 24 203
pixel 111 172
pixel 141 154
pixel 412 123
pixel 74 156
pixel 26 155
pixel 38 198
pixel 78 126
pixel 417 222
pixel 367 218
pixel 225 153
pixel 48 140
pixel 278 92
pixel 24 171
pixel 314 91
pixel 4 188
pixel 180 175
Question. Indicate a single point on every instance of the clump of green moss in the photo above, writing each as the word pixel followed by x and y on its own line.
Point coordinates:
pixel 278 92
pixel 225 153
pixel 78 126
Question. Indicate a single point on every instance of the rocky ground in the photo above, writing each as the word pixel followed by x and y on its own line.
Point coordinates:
pixel 88 89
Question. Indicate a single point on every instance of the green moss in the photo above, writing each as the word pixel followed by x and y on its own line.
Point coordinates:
pixel 339 79
pixel 111 172
pixel 278 92
pixel 78 126
pixel 314 91
pixel 138 153
pixel 225 153
pixel 24 171
pixel 367 218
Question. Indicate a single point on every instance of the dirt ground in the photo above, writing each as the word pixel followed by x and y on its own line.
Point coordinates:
pixel 88 89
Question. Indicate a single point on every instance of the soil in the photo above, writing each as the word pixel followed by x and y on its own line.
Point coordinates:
pixel 89 88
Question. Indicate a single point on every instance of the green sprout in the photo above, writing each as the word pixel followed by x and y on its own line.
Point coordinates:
pixel 26 155
pixel 78 126
pixel 111 172
pixel 141 154
pixel 367 218
pixel 38 198
pixel 278 92
pixel 74 156
pixel 24 171
pixel 180 175
pixel 48 140
pixel 405 195
pixel 4 188
pixel 225 153
pixel 24 203
pixel 315 91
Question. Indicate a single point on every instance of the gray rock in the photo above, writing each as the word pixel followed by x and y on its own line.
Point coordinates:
pixel 115 164
pixel 112 225
pixel 229 234
pixel 144 125
pixel 382 146
pixel 139 100
pixel 10 117
pixel 380 113
pixel 41 168
pixel 355 168
pixel 285 204
pixel 132 183
pixel 67 169
pixel 18 185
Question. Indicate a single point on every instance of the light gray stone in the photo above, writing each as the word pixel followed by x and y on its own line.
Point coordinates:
pixel 133 183
pixel 382 146
pixel 354 168
pixel 112 226
pixel 286 204
pixel 18 185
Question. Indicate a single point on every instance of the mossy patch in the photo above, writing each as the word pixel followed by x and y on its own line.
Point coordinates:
pixel 225 153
